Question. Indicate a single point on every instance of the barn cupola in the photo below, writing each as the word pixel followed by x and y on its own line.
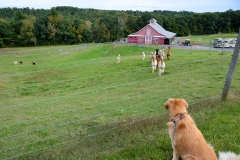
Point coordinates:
pixel 153 21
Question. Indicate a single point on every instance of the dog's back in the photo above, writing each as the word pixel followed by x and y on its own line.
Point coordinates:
pixel 190 142
pixel 187 140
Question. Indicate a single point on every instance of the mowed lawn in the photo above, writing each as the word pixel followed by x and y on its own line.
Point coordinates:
pixel 76 102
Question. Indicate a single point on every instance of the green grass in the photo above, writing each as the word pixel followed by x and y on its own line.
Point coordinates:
pixel 78 103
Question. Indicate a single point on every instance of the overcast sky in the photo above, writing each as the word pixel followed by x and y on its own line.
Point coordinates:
pixel 140 5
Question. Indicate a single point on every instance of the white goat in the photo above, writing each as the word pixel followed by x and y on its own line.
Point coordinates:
pixel 161 66
pixel 118 59
pixel 163 49
pixel 153 61
pixel 143 55
pixel 162 53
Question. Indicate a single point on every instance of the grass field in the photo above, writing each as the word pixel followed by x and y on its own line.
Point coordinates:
pixel 76 102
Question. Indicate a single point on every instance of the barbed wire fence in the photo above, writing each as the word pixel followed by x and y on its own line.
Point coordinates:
pixel 195 45
pixel 91 134
pixel 88 132
pixel 91 131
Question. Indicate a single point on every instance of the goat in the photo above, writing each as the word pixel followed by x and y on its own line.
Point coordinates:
pixel 118 59
pixel 143 55
pixel 158 58
pixel 161 66
pixel 33 63
pixel 20 62
pixel 153 61
pixel 15 62
pixel 162 52
pixel 168 53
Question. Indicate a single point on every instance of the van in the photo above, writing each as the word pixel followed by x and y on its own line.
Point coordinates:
pixel 217 42
pixel 228 43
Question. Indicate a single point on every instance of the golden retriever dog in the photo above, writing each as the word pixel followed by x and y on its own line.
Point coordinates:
pixel 187 140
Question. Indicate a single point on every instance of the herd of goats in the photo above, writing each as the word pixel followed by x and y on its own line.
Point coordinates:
pixel 156 59
pixel 21 62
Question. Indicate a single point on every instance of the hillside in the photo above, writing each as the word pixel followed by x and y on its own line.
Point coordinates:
pixel 76 102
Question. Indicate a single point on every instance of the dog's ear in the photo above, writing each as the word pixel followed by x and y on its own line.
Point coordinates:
pixel 185 103
pixel 167 103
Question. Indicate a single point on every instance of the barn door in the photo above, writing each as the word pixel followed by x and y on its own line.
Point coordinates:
pixel 148 37
pixel 148 40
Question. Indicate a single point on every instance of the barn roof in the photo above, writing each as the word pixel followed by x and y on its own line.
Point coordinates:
pixel 161 30
pixel 153 23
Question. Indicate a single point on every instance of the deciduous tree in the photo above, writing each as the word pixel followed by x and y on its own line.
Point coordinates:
pixel 27 29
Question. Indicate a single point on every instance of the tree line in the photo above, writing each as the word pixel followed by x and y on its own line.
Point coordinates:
pixel 71 25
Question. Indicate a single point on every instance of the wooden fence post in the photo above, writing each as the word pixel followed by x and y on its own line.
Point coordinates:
pixel 223 43
pixel 231 69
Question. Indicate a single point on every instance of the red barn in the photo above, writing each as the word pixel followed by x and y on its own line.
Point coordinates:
pixel 152 33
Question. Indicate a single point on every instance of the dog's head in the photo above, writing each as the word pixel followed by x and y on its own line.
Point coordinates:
pixel 176 106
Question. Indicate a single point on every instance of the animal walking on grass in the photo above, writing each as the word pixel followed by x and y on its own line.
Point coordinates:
pixel 153 61
pixel 143 55
pixel 162 51
pixel 33 63
pixel 158 58
pixel 118 59
pixel 168 53
pixel 161 66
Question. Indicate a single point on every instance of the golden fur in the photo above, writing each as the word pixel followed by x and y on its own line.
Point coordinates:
pixel 161 66
pixel 187 141
pixel 153 61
